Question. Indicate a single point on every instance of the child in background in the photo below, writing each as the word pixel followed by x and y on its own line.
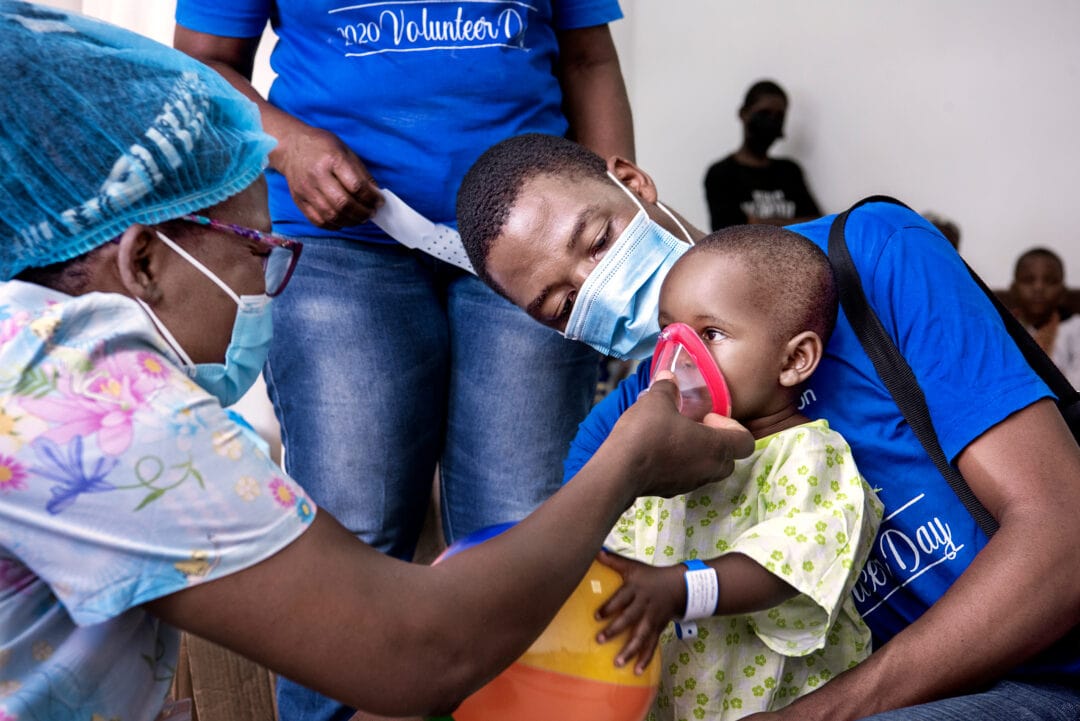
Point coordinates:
pixel 1038 290
pixel 784 538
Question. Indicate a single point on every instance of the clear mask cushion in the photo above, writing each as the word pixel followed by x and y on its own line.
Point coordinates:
pixel 702 388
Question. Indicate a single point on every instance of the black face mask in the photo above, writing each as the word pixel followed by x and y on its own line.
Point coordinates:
pixel 762 130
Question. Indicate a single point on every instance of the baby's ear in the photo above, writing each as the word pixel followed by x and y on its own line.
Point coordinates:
pixel 803 353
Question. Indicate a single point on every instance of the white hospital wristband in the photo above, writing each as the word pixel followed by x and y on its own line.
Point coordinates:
pixel 702 590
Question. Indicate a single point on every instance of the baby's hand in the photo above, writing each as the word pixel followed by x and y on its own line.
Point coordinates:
pixel 649 598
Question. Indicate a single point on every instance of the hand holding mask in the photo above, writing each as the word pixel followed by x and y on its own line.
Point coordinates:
pixel 702 388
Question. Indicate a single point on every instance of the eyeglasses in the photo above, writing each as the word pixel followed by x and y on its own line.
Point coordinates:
pixel 278 265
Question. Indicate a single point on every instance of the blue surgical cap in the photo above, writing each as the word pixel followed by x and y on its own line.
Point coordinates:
pixel 101 128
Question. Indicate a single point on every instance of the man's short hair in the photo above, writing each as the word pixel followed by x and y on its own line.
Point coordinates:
pixel 1039 252
pixel 793 276
pixel 760 89
pixel 492 185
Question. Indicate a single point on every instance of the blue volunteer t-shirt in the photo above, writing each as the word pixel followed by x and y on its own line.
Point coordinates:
pixel 973 377
pixel 418 90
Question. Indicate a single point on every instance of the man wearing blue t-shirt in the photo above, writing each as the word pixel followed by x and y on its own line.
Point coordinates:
pixel 971 626
pixel 405 96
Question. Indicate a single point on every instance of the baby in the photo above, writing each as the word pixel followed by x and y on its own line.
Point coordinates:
pixel 757 569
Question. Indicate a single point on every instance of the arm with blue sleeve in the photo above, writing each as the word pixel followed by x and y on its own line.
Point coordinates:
pixel 1021 593
pixel 598 424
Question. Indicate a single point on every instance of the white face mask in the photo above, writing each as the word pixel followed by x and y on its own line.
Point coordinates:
pixel 618 304
pixel 248 347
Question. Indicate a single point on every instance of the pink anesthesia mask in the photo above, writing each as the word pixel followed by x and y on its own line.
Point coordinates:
pixel 702 388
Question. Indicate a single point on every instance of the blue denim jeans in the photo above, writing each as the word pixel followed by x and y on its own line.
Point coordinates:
pixel 387 363
pixel 1006 701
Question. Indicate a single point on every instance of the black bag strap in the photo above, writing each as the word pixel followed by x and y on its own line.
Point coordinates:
pixel 891 367
pixel 1068 398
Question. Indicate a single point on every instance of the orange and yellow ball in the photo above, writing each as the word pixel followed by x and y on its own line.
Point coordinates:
pixel 566 675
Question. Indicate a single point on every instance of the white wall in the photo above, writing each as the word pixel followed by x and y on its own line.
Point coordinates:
pixel 964 107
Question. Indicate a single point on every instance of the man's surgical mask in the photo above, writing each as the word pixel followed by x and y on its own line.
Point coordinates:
pixel 246 354
pixel 617 306
pixel 763 129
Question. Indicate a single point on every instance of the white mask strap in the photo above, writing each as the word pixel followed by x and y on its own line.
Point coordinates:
pixel 675 220
pixel 202 268
pixel 659 205
pixel 626 190
pixel 169 338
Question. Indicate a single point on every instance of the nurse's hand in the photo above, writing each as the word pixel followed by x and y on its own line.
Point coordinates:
pixel 328 182
pixel 673 453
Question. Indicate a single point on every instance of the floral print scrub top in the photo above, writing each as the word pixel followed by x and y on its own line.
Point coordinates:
pixel 120 481
pixel 798 507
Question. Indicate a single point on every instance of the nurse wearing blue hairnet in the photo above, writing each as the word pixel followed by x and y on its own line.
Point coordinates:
pixel 136 278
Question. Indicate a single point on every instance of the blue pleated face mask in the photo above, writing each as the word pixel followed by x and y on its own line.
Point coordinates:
pixel 248 347
pixel 617 306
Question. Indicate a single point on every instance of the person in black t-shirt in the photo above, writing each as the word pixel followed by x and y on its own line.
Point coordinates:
pixel 750 187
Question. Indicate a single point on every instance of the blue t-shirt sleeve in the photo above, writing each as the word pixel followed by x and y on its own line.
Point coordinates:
pixel 597 426
pixel 970 370
pixel 585 13
pixel 234 19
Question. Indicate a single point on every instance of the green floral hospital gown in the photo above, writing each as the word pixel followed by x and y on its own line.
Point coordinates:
pixel 798 507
